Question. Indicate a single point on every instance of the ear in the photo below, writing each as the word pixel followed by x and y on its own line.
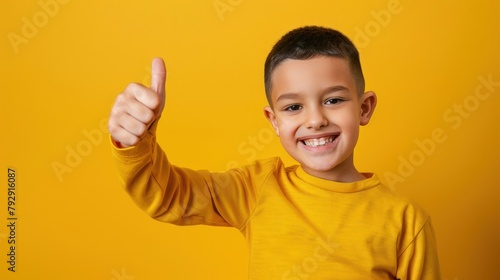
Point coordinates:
pixel 269 113
pixel 368 103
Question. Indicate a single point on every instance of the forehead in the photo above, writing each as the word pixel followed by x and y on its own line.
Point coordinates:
pixel 311 76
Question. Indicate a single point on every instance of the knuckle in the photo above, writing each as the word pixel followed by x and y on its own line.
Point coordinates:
pixel 115 111
pixel 117 120
pixel 137 111
pixel 121 98
pixel 147 100
pixel 111 128
pixel 155 101
pixel 132 87
pixel 133 91
pixel 120 105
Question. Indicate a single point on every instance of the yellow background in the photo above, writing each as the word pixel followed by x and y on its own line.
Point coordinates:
pixel 58 87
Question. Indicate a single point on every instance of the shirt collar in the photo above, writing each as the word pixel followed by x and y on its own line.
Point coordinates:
pixel 371 181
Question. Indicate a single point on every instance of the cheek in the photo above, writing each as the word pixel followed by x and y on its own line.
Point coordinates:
pixel 351 116
pixel 349 123
pixel 352 131
pixel 287 127
pixel 286 134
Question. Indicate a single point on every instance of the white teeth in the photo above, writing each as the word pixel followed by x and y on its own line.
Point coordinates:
pixel 318 142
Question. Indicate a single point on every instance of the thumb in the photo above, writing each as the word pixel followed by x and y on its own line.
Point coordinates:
pixel 158 76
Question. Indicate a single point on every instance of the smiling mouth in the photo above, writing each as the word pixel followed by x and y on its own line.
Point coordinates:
pixel 318 142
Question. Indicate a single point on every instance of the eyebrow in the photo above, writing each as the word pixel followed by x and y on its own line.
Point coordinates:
pixel 292 95
pixel 287 96
pixel 335 88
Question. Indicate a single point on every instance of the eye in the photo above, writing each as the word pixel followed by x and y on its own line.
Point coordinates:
pixel 294 107
pixel 333 101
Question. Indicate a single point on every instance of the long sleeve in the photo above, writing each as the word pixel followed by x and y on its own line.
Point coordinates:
pixel 419 259
pixel 183 196
pixel 296 225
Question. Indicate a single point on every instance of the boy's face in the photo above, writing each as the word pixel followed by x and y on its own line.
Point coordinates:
pixel 316 112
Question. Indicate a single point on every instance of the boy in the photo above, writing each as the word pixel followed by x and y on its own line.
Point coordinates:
pixel 321 219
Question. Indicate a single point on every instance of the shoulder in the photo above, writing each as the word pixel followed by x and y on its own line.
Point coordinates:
pixel 408 214
pixel 404 211
pixel 405 205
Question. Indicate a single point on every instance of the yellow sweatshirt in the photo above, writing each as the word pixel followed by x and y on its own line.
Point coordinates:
pixel 297 226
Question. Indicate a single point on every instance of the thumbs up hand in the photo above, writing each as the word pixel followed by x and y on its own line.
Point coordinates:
pixel 137 107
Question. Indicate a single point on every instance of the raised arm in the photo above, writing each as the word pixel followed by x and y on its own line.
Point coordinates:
pixel 166 192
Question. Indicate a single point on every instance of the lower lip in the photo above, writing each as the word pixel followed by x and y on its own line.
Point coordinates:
pixel 329 146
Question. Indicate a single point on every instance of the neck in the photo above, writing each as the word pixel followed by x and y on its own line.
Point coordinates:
pixel 344 172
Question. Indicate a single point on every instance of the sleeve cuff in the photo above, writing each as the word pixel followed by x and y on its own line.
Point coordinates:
pixel 144 146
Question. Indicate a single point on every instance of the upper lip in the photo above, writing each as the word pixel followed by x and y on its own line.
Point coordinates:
pixel 317 136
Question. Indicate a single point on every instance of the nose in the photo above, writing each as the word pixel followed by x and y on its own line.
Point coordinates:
pixel 316 118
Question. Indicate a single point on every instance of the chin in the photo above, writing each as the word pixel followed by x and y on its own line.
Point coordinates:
pixel 320 168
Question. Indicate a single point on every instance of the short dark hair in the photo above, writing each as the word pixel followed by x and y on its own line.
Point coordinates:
pixel 311 41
